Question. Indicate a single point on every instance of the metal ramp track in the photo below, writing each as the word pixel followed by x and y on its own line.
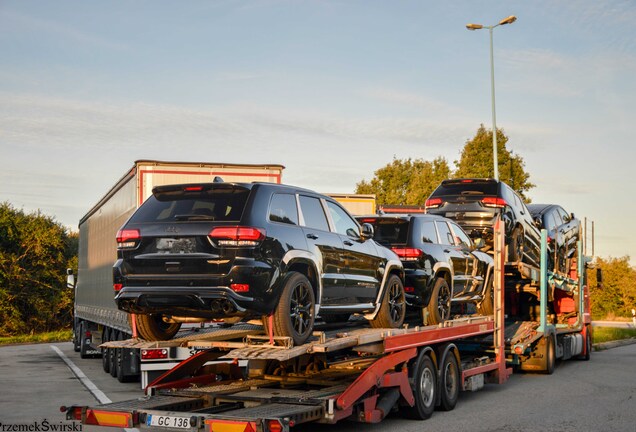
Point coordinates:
pixel 159 402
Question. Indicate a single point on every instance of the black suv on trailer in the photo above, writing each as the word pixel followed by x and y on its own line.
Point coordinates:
pixel 251 250
pixel 442 265
pixel 475 204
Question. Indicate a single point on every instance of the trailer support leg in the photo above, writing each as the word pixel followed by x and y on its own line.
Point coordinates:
pixel 377 375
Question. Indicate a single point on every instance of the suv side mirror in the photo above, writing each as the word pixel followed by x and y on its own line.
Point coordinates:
pixel 479 242
pixel 366 232
pixel 70 279
pixel 538 223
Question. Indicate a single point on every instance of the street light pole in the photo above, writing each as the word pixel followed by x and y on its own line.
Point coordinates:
pixel 504 21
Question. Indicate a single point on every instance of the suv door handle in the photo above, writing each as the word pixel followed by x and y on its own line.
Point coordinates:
pixel 312 236
pixel 348 243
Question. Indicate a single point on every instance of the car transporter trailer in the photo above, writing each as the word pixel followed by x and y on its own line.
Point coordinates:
pixel 254 383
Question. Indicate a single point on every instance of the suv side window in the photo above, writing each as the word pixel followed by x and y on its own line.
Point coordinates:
pixel 564 216
pixel 283 209
pixel 313 213
pixel 445 235
pixel 344 224
pixel 461 236
pixel 429 233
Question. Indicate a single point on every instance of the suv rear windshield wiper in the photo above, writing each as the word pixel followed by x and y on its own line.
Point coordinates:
pixel 193 216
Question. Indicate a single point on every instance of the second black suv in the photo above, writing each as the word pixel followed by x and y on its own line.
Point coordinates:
pixel 475 203
pixel 251 250
pixel 442 265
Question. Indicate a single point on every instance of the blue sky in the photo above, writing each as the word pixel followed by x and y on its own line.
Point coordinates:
pixel 333 90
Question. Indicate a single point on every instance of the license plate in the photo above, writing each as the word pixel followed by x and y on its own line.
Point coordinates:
pixel 176 246
pixel 168 421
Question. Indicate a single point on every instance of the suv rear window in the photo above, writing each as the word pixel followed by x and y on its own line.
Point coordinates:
pixel 391 231
pixel 463 187
pixel 222 204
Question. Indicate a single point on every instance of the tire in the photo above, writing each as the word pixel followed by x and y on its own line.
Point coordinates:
pixel 76 337
pixel 393 307
pixel 439 305
pixel 122 357
pixel 550 353
pixel 515 249
pixel 153 328
pixel 82 340
pixel 114 352
pixel 588 346
pixel 487 305
pixel 424 385
pixel 106 351
pixel 449 385
pixel 295 313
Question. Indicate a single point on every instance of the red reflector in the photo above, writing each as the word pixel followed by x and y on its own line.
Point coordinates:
pixel 408 253
pixel 193 188
pixel 433 203
pixel 154 354
pixel 238 233
pixel 274 426
pixel 240 287
pixel 126 235
pixel 409 289
pixel 494 202
pixel 118 287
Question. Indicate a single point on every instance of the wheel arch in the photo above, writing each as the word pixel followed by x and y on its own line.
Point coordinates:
pixel 305 263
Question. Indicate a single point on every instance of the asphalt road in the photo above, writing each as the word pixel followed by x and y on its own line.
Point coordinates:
pixel 599 395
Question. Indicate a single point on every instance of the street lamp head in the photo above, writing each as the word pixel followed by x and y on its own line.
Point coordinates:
pixel 508 20
pixel 474 26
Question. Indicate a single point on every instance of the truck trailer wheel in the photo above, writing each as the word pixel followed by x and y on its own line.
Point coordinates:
pixel 153 328
pixel 106 351
pixel 84 347
pixel 114 366
pixel 449 385
pixel 588 345
pixel 393 308
pixel 550 354
pixel 424 384
pixel 76 336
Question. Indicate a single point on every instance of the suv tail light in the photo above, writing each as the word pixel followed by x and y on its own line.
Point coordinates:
pixel 127 238
pixel 433 203
pixel 408 254
pixel 237 236
pixel 494 202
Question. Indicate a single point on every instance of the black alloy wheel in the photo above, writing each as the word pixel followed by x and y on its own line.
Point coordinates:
pixel 295 313
pixel 393 306
pixel 439 306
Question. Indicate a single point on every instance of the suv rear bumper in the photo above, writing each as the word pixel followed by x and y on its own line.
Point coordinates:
pixel 204 302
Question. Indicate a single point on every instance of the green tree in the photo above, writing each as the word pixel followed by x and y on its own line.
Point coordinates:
pixel 34 254
pixel 406 182
pixel 616 295
pixel 476 161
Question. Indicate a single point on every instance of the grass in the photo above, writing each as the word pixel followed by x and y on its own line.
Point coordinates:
pixel 56 336
pixel 606 334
